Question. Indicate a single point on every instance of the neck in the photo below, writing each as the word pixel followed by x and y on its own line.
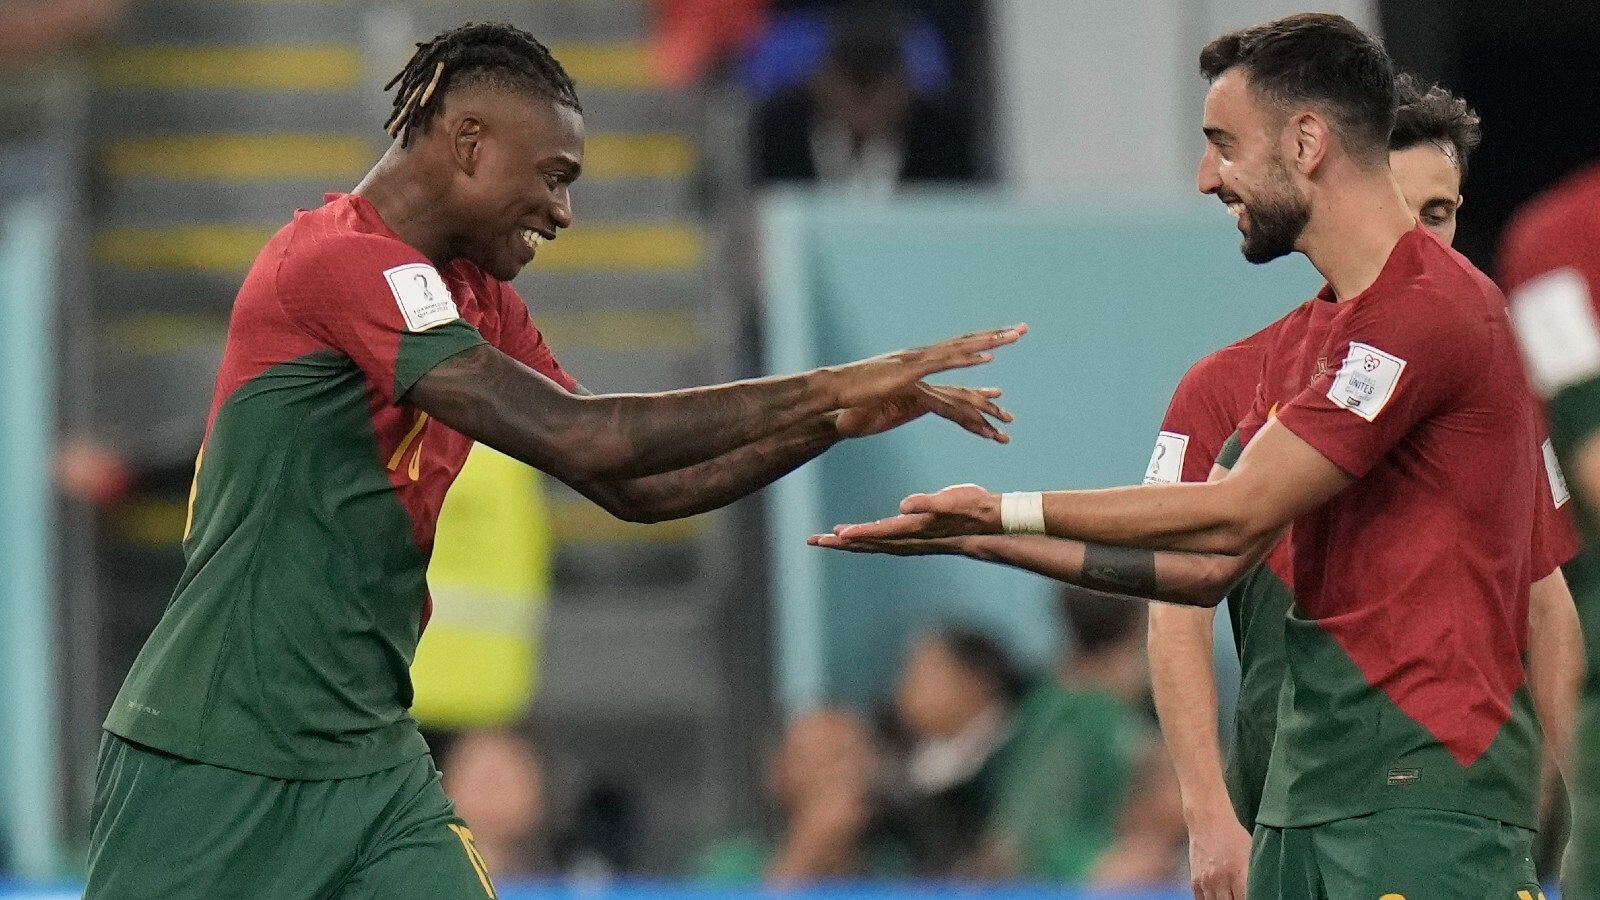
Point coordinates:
pixel 408 202
pixel 1355 230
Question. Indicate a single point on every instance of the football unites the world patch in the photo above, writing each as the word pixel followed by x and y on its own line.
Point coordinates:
pixel 424 300
pixel 1552 471
pixel 1366 380
pixel 1166 461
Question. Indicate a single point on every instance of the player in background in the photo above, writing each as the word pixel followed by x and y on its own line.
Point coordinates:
pixel 1434 135
pixel 1550 264
pixel 1398 434
pixel 261 744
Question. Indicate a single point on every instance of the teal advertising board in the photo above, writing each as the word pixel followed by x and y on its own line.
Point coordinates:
pixel 1120 300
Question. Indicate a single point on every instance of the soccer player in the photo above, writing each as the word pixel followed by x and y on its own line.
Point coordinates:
pixel 1433 138
pixel 1398 435
pixel 260 746
pixel 1551 266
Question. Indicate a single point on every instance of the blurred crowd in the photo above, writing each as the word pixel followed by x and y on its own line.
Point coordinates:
pixel 976 770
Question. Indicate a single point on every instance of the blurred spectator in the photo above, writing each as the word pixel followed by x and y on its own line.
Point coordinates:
pixel 691 36
pixel 823 784
pixel 956 703
pixel 860 122
pixel 1108 676
pixel 496 779
pixel 31 30
pixel 1067 770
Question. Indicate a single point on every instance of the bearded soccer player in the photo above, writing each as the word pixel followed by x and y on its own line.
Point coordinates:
pixel 1433 138
pixel 1551 265
pixel 1399 436
pixel 261 745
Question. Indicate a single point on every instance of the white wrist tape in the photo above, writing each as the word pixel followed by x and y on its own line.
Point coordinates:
pixel 1022 513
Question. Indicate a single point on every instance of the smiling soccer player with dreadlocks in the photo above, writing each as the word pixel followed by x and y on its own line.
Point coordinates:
pixel 261 745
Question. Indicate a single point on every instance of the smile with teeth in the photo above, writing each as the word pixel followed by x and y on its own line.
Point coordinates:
pixel 532 238
pixel 1236 209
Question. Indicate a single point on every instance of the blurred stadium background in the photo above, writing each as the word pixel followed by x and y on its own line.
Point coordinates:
pixel 626 704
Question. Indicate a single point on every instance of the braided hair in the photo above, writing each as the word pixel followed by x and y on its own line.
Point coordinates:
pixel 474 51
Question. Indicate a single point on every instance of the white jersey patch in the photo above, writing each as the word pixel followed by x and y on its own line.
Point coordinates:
pixel 1166 461
pixel 1366 380
pixel 1556 326
pixel 424 300
pixel 1552 470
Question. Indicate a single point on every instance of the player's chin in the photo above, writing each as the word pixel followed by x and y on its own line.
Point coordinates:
pixel 504 267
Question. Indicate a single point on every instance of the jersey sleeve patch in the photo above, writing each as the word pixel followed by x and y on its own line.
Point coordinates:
pixel 1166 461
pixel 424 300
pixel 1552 470
pixel 1556 326
pixel 1366 381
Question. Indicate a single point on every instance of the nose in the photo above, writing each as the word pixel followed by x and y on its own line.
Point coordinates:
pixel 561 210
pixel 1207 178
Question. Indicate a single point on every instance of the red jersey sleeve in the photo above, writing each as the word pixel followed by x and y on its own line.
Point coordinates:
pixel 1555 535
pixel 1402 355
pixel 1204 411
pixel 375 300
pixel 1256 416
pixel 521 339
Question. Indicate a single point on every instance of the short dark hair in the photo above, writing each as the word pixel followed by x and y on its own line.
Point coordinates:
pixel 472 52
pixel 1322 59
pixel 988 659
pixel 1433 115
pixel 1095 620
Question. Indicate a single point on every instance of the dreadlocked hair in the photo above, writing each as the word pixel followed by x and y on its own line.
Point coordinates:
pixel 491 51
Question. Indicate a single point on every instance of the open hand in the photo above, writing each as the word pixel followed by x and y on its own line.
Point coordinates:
pixel 966 407
pixel 950 546
pixel 959 510
pixel 871 381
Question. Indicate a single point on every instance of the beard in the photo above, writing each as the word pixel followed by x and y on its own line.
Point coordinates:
pixel 1277 217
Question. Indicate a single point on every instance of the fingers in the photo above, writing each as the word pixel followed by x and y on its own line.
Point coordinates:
pixel 892 527
pixel 966 411
pixel 967 350
pixel 979 399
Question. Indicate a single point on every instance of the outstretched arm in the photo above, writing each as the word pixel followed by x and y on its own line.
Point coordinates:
pixel 1279 478
pixel 718 482
pixel 496 400
pixel 1175 576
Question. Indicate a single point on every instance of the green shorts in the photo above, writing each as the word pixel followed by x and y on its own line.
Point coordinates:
pixel 1395 854
pixel 170 828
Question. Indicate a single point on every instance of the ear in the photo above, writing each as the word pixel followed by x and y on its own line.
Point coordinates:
pixel 466 143
pixel 1461 200
pixel 1312 140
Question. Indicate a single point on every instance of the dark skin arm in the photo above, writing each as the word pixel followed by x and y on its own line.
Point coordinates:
pixel 1279 478
pixel 1174 576
pixel 1185 543
pixel 716 483
pixel 493 399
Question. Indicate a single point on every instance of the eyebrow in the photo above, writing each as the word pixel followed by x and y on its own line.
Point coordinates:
pixel 573 167
pixel 1216 134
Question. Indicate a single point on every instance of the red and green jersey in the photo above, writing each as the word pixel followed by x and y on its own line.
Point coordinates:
pixel 286 647
pixel 1210 400
pixel 1551 267
pixel 1404 683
